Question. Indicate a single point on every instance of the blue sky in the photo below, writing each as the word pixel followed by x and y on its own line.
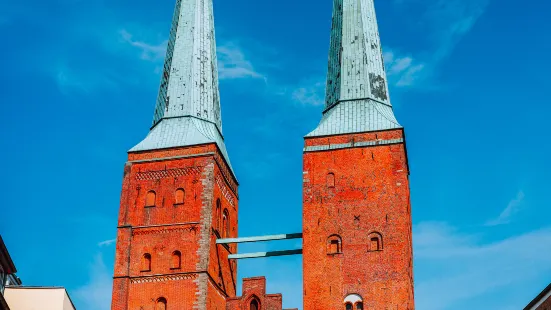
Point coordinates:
pixel 468 81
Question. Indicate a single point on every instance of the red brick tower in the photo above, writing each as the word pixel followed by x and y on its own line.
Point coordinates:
pixel 179 191
pixel 356 211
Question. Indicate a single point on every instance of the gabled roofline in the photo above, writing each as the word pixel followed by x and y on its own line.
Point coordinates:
pixel 539 298
pixel 5 258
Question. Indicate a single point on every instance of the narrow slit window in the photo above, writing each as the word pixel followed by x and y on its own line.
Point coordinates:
pixel 334 245
pixel 146 262
pixel 179 196
pixel 176 260
pixel 150 199
pixel 331 180
pixel 218 216
pixel 161 304
pixel 375 242
pixel 226 224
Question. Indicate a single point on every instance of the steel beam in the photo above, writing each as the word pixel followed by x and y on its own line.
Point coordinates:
pixel 265 254
pixel 259 239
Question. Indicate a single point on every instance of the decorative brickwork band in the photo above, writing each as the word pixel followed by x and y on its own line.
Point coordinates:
pixel 163 230
pixel 225 192
pixel 156 175
pixel 351 144
pixel 176 277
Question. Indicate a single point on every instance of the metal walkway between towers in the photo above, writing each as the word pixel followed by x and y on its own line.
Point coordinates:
pixel 262 239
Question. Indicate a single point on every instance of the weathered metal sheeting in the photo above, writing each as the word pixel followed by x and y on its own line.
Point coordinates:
pixel 259 238
pixel 356 116
pixel 188 105
pixel 189 85
pixel 265 254
pixel 357 97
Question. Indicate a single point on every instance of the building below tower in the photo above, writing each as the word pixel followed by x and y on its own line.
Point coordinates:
pixel 542 301
pixel 254 297
pixel 15 296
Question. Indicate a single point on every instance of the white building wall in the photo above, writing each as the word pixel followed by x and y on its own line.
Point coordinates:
pixel 38 298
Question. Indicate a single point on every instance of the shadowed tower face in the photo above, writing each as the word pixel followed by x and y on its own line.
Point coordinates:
pixel 356 209
pixel 179 191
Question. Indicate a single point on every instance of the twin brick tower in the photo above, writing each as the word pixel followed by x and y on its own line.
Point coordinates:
pixel 177 229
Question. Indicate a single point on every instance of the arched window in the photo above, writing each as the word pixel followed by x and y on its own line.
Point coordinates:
pixel 226 223
pixel 334 244
pixel 146 262
pixel 150 199
pixel 218 215
pixel 255 305
pixel 375 242
pixel 161 304
pixel 353 302
pixel 179 196
pixel 331 180
pixel 176 260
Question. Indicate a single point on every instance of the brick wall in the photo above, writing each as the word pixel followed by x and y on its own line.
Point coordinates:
pixel 546 305
pixel 254 289
pixel 542 301
pixel 358 196
pixel 204 275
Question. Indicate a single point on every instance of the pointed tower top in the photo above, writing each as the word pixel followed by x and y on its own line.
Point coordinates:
pixel 188 105
pixel 357 98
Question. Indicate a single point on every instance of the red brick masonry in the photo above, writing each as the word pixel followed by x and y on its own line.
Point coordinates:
pixel 357 223
pixel 254 294
pixel 166 256
pixel 542 301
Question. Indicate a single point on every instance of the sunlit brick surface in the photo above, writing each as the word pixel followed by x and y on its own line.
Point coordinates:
pixel 205 277
pixel 370 197
pixel 254 289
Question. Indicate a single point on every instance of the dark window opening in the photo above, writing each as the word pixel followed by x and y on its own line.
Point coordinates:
pixel 146 262
pixel 375 242
pixel 176 260
pixel 226 224
pixel 334 245
pixel 254 305
pixel 331 180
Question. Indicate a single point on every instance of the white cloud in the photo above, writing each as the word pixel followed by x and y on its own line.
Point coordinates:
pixel 451 20
pixel 149 52
pixel 232 63
pixel 107 242
pixel 444 23
pixel 512 208
pixel 312 93
pixel 458 267
pixel 402 71
pixel 96 294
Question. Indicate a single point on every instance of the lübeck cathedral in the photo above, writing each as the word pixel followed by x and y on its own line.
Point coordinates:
pixel 177 228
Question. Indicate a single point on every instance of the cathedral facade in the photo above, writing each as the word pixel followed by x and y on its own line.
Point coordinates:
pixel 179 202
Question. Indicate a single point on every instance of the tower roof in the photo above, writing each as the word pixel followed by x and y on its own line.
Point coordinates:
pixel 188 104
pixel 357 98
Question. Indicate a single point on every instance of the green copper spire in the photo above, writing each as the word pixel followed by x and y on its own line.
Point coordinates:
pixel 357 98
pixel 188 105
